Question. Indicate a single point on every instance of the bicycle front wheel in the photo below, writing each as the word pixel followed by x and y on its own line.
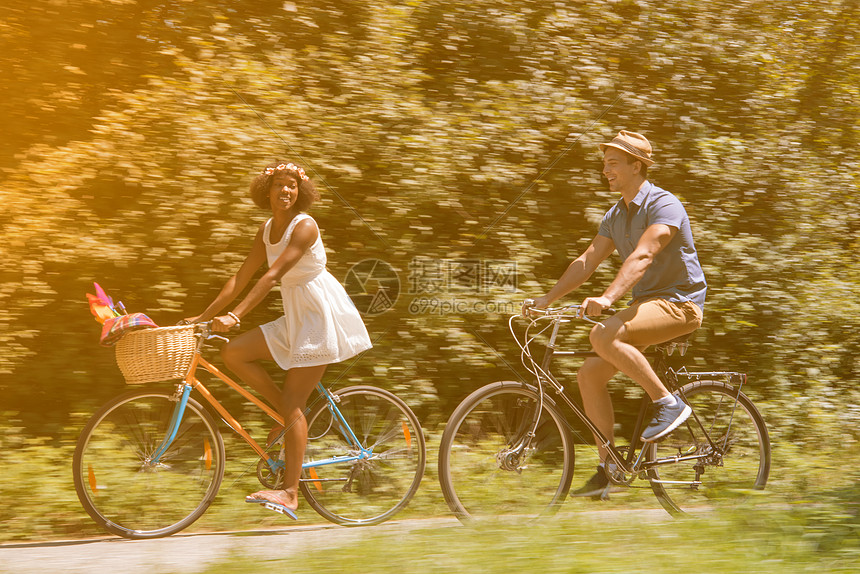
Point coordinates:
pixel 716 457
pixel 488 465
pixel 351 490
pixel 123 489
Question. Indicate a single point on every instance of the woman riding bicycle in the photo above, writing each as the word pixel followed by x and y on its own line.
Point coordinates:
pixel 320 324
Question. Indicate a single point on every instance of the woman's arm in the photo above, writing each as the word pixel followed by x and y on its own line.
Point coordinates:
pixel 304 235
pixel 237 283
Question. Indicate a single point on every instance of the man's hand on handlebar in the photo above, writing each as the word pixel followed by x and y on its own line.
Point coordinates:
pixel 536 303
pixel 594 306
pixel 591 308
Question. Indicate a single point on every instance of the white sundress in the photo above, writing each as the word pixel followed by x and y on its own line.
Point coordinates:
pixel 320 324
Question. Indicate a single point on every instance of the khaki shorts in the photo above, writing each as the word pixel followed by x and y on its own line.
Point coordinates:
pixel 657 321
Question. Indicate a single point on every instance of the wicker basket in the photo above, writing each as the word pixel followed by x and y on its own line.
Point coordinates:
pixel 152 355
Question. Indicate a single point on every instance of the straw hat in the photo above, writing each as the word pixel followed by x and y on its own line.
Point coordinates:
pixel 632 143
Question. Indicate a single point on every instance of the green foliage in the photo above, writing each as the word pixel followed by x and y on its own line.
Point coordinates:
pixel 37 487
pixel 471 132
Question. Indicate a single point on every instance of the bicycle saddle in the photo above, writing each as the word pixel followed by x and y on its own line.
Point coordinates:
pixel 680 343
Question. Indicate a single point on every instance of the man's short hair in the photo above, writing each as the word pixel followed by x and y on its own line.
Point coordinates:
pixel 643 169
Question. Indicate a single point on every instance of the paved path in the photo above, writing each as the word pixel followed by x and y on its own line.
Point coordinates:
pixel 186 553
pixel 192 553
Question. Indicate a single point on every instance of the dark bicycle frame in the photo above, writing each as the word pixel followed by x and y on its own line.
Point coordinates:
pixel 664 372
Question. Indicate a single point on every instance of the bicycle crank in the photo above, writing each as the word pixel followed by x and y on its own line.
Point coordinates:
pixel 267 477
pixel 616 474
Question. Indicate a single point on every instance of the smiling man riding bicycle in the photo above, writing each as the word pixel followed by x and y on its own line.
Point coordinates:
pixel 650 230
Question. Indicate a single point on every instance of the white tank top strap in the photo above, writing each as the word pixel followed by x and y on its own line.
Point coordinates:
pixel 309 266
pixel 295 221
pixel 267 228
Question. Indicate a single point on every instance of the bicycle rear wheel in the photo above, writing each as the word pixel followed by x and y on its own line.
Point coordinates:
pixel 482 472
pixel 723 470
pixel 367 491
pixel 119 486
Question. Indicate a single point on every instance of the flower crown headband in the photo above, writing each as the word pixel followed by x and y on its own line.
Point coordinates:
pixel 288 167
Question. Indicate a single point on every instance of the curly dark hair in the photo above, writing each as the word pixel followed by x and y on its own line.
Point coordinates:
pixel 260 185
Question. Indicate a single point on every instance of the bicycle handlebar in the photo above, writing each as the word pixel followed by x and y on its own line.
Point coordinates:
pixel 565 311
pixel 204 329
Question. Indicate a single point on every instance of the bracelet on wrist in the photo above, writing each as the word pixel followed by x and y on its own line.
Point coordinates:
pixel 234 317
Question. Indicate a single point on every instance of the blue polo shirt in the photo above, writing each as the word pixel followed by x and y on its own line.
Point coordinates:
pixel 675 274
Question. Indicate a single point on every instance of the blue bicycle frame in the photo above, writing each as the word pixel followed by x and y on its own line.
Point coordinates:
pixel 274 464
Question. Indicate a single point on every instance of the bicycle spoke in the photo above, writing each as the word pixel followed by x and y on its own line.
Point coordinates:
pixel 726 446
pixel 485 468
pixel 371 490
pixel 126 492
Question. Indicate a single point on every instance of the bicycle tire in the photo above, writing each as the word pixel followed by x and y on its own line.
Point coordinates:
pixel 127 495
pixel 372 490
pixel 725 478
pixel 481 478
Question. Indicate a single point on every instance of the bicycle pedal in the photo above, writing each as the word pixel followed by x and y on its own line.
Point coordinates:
pixel 603 495
pixel 279 508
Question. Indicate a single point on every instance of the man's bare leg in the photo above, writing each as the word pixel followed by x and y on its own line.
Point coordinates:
pixel 610 342
pixel 607 339
pixel 593 377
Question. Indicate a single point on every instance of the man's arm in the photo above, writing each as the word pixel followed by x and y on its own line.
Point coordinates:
pixel 652 242
pixel 579 270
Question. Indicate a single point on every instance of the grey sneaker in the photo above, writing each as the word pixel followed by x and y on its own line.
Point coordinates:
pixel 666 419
pixel 597 486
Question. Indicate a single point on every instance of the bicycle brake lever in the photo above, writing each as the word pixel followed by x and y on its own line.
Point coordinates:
pixel 592 321
pixel 607 311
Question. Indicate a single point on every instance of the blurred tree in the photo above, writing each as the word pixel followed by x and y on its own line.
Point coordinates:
pixel 450 132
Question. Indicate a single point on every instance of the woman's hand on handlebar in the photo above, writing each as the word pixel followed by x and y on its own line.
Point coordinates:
pixel 224 323
pixel 220 324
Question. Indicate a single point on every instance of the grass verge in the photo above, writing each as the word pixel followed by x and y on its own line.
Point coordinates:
pixel 753 539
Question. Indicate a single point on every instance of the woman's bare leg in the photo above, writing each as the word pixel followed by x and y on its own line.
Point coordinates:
pixel 241 355
pixel 298 385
